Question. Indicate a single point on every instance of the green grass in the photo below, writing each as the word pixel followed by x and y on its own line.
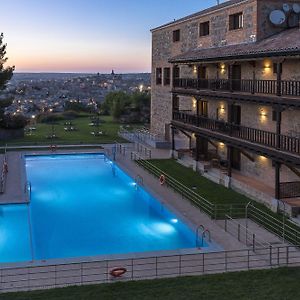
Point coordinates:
pixel 222 199
pixel 211 191
pixel 82 136
pixel 277 284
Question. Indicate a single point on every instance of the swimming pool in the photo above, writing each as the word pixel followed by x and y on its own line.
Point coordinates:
pixel 84 205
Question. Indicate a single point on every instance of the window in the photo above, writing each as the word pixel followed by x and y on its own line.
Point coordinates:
pixel 158 76
pixel 176 35
pixel 167 75
pixel 175 103
pixel 204 28
pixel 236 21
pixel 275 68
pixel 176 72
pixel 274 116
pixel 202 108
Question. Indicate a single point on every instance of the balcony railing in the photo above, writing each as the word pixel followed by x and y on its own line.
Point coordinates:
pixel 270 139
pixel 290 189
pixel 272 87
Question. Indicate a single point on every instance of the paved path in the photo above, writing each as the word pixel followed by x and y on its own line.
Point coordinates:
pixel 15 181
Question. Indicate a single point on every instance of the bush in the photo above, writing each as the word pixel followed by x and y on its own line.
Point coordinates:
pixel 14 122
pixel 50 118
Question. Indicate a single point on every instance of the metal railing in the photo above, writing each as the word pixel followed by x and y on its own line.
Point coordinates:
pixel 141 148
pixel 244 234
pixel 28 190
pixel 257 86
pixel 140 135
pixel 4 172
pixel 271 139
pixel 282 227
pixel 279 224
pixel 215 211
pixel 95 272
pixel 290 189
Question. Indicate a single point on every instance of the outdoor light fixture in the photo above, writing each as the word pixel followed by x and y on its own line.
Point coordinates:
pixel 194 103
pixel 195 69
pixel 263 113
pixel 223 68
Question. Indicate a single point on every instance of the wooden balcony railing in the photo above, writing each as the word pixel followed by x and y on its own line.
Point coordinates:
pixel 270 139
pixel 272 87
pixel 290 189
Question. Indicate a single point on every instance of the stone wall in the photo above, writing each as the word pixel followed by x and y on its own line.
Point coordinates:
pixel 265 27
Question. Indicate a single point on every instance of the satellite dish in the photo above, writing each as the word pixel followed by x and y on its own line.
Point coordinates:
pixel 277 17
pixel 286 7
pixel 296 8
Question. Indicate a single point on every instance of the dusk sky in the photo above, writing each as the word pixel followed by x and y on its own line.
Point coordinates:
pixel 86 35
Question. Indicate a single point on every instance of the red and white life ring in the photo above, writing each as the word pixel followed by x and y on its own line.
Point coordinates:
pixel 118 272
pixel 162 179
pixel 53 148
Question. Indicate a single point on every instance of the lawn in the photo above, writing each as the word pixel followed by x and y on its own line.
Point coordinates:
pixel 222 198
pixel 281 284
pixel 211 191
pixel 83 135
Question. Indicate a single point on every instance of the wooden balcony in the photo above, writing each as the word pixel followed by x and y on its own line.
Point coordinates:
pixel 262 87
pixel 279 142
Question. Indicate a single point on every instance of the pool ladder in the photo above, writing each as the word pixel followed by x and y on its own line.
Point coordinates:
pixel 28 190
pixel 139 180
pixel 205 233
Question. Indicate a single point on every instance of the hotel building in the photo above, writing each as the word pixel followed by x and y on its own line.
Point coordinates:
pixel 226 93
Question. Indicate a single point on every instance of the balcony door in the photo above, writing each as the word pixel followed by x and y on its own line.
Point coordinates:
pixel 236 77
pixel 202 76
pixel 235 118
pixel 236 159
pixel 202 108
pixel 235 115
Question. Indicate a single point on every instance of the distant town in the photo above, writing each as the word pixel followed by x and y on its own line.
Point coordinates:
pixel 35 93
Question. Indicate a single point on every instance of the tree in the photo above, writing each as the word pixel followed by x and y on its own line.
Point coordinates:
pixel 115 102
pixel 6 73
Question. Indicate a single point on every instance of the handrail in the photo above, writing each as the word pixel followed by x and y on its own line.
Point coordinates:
pixel 139 180
pixel 271 139
pixel 4 171
pixel 216 211
pixel 256 239
pixel 256 86
pixel 283 229
pixel 213 210
pixel 197 233
pixel 28 190
pixel 46 275
pixel 204 233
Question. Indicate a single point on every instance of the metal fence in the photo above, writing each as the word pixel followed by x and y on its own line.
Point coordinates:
pixel 95 272
pixel 4 172
pixel 244 234
pixel 279 224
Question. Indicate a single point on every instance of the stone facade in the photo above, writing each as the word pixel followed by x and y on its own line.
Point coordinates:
pixel 256 26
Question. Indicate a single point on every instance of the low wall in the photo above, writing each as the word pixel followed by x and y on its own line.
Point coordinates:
pixel 9 134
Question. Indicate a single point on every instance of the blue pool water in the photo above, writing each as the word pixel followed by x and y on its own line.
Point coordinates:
pixel 85 205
